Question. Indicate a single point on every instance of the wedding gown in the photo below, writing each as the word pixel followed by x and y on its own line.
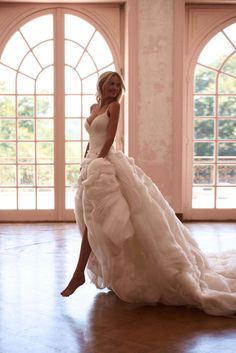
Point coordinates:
pixel 140 249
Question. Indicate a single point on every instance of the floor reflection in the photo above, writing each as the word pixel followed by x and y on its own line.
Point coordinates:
pixel 36 262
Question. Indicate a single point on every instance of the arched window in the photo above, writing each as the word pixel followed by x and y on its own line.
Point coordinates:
pixel 214 123
pixel 48 72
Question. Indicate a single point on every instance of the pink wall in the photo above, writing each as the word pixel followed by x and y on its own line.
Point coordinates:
pixel 154 120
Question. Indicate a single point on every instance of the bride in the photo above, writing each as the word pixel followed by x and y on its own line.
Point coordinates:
pixel 132 241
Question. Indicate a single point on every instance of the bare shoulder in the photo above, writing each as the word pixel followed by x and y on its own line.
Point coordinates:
pixel 114 108
pixel 114 105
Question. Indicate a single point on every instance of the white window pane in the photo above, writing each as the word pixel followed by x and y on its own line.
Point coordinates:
pixel 78 29
pixel 73 106
pixel 45 152
pixel 45 175
pixel 26 199
pixel 89 84
pixel 44 53
pixel 7 106
pixel 45 106
pixel 86 66
pixel 26 153
pixel 72 174
pixel 230 67
pixel 7 80
pixel 25 84
pixel 204 80
pixel 7 175
pixel 227 84
pixel 88 100
pixel 14 51
pixel 45 198
pixel 73 152
pixel 231 32
pixel 30 66
pixel 73 129
pixel 45 129
pixel 72 81
pixel 203 197
pixel 216 50
pixel 70 198
pixel 7 199
pixel 226 197
pixel 25 129
pixel 73 53
pixel 45 81
pixel 38 30
pixel 100 50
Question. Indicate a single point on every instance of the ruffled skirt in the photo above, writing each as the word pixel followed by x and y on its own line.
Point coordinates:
pixel 140 249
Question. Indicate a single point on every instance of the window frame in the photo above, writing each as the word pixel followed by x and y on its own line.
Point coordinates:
pixel 191 34
pixel 126 61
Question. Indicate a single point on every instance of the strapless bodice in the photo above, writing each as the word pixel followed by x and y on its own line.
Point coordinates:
pixel 97 131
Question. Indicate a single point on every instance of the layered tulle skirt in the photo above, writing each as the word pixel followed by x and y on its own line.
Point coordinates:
pixel 140 249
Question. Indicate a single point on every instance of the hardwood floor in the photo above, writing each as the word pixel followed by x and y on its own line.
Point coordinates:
pixel 36 261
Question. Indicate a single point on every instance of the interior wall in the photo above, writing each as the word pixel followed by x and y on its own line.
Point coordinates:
pixel 150 128
pixel 154 121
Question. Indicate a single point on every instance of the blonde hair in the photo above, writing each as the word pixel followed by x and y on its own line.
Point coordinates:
pixel 103 79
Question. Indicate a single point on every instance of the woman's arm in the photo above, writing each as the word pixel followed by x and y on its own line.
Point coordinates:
pixel 114 112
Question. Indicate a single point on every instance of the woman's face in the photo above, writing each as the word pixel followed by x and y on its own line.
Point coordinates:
pixel 112 88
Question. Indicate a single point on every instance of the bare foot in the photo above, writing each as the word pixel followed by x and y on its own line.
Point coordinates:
pixel 74 283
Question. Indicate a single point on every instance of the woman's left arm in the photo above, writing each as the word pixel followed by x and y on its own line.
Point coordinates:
pixel 114 112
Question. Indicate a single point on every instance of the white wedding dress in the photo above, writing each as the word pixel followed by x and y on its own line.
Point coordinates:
pixel 140 249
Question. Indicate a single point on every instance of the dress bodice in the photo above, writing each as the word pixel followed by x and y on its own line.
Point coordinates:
pixel 97 131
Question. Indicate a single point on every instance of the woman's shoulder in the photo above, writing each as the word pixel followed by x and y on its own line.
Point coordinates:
pixel 114 106
pixel 113 109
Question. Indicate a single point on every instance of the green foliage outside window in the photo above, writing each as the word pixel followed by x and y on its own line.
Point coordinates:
pixel 206 106
pixel 24 129
pixel 215 119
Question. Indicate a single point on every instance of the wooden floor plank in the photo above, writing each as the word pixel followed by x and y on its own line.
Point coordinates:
pixel 37 260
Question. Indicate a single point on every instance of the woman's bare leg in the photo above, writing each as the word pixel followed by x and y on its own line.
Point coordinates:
pixel 78 277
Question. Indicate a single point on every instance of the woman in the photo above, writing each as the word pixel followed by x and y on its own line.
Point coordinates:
pixel 132 241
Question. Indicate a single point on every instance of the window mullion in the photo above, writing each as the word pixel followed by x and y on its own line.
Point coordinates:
pixel 59 109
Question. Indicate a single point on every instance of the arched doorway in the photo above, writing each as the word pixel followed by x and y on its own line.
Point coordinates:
pixel 48 72
pixel 214 124
pixel 207 114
